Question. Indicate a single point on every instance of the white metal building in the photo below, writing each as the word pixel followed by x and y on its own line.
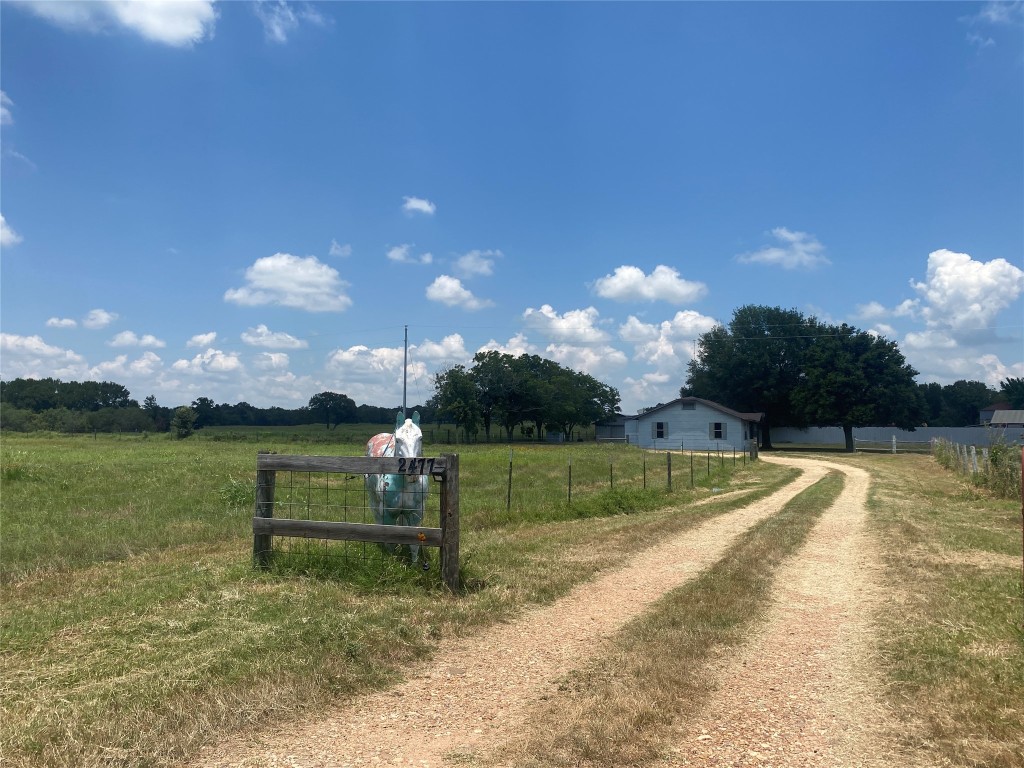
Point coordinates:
pixel 692 424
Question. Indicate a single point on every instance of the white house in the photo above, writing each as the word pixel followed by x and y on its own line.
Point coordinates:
pixel 692 424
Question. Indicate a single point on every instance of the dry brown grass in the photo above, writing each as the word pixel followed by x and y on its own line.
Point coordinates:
pixel 617 710
pixel 951 639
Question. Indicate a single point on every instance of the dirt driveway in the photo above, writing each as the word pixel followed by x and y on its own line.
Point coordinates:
pixel 798 695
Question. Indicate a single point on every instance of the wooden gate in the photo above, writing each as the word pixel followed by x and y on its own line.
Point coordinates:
pixel 444 468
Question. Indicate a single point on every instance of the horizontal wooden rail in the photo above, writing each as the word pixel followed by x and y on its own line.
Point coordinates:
pixel 355 465
pixel 322 529
pixel 444 469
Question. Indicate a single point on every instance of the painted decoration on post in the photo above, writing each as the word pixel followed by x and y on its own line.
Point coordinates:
pixel 398 499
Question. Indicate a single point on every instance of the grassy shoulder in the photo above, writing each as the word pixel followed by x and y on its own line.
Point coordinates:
pixel 953 643
pixel 951 634
pixel 617 710
pixel 137 643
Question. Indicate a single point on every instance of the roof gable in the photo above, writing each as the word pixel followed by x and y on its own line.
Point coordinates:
pixel 708 403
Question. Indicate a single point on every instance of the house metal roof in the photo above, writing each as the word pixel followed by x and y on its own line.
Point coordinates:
pixel 710 404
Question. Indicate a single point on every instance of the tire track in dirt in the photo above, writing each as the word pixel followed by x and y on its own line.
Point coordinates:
pixel 801 693
pixel 481 688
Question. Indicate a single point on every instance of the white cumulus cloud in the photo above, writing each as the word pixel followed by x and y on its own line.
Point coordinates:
pixel 577 326
pixel 61 322
pixel 449 291
pixel 130 339
pixel 796 250
pixel 451 347
pixel 210 361
pixel 261 336
pixel 98 318
pixel 629 283
pixel 178 23
pixel 418 205
pixel 292 281
pixel 367 374
pixel 202 339
pixel 963 294
pixel 516 346
pixel 32 358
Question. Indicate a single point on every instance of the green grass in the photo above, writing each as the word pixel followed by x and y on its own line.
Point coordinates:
pixel 134 628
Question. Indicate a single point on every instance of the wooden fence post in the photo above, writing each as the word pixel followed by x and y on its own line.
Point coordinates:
pixel 262 543
pixel 668 458
pixel 450 523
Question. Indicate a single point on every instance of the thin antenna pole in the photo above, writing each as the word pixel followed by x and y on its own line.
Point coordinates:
pixel 405 371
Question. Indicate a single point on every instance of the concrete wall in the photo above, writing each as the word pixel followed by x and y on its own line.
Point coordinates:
pixel 980 436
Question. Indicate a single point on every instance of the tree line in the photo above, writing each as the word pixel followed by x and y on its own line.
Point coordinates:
pixel 802 372
pixel 528 391
pixel 71 406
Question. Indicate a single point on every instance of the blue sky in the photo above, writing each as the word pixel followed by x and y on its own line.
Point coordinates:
pixel 249 201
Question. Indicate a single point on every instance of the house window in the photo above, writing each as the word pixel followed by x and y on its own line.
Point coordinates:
pixel 717 430
pixel 659 429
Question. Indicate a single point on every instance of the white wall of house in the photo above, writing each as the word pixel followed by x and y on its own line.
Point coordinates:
pixel 689 427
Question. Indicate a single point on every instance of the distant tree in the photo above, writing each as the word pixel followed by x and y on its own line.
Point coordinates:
pixel 205 411
pixel 851 378
pixel 580 399
pixel 963 400
pixel 455 399
pixel 1013 390
pixel 35 395
pixel 183 422
pixel 754 364
pixel 332 405
pixel 932 399
pixel 489 373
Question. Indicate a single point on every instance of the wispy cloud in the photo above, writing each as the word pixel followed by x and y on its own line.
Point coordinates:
pixel 796 250
pixel 8 236
pixel 477 263
pixel 403 255
pixel 281 19
pixel 990 19
pixel 6 118
pixel 338 250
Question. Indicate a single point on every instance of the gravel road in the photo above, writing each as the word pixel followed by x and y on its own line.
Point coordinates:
pixel 798 695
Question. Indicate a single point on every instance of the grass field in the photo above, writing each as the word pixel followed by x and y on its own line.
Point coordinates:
pixel 134 626
pixel 134 629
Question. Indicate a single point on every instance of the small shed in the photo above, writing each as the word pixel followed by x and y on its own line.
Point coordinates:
pixel 986 413
pixel 1007 418
pixel 693 424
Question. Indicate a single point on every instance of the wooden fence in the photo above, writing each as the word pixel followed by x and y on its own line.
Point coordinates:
pixel 444 468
